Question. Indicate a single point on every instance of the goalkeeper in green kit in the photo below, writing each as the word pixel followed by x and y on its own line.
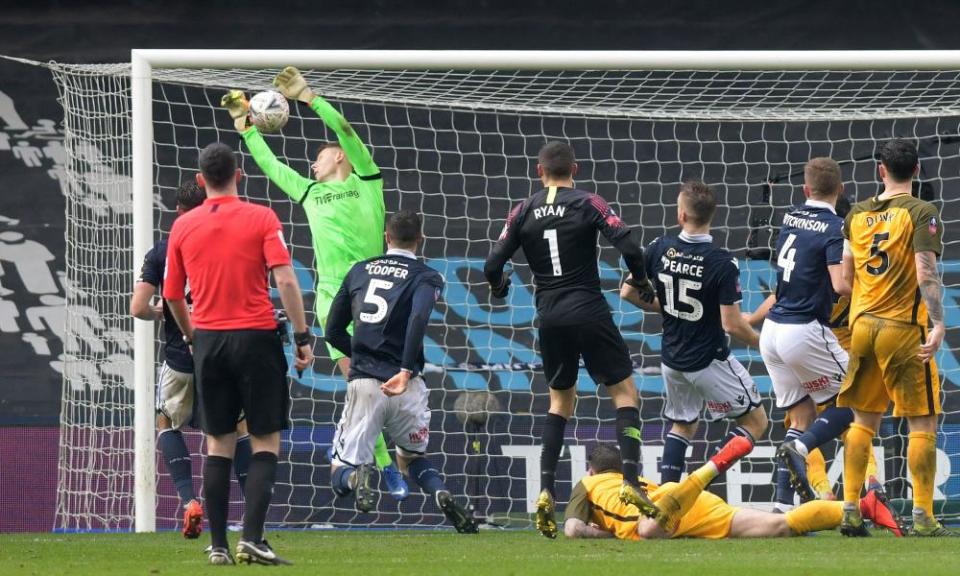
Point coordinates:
pixel 344 207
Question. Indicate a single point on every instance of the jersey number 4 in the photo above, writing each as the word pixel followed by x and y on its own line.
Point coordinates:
pixel 371 297
pixel 786 256
pixel 683 297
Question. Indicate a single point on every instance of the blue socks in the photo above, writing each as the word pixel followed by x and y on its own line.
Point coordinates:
pixel 426 476
pixel 785 491
pixel 177 458
pixel 241 462
pixel 674 458
pixel 831 423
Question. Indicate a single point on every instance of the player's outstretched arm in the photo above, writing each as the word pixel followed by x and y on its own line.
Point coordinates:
pixel 931 288
pixel 756 317
pixel 735 325
pixel 292 84
pixel 576 528
pixel 294 185
pixel 841 285
pixel 338 318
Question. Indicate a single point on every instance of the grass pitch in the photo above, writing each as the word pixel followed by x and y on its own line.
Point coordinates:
pixel 524 553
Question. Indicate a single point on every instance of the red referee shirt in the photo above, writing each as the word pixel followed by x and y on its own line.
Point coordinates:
pixel 226 247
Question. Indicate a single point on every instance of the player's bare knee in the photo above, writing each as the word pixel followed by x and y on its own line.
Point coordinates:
pixel 563 402
pixel 923 423
pixel 163 423
pixel 403 463
pixel 623 393
pixel 755 421
pixel 685 429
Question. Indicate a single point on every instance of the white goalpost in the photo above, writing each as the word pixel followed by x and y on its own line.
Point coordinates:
pixel 456 135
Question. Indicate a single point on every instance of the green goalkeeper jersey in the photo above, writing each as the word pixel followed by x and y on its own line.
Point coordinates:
pixel 345 217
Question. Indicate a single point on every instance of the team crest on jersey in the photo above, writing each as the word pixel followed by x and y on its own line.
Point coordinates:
pixel 671 252
pixel 932 227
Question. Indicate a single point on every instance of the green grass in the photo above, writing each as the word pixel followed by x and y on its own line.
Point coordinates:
pixel 503 553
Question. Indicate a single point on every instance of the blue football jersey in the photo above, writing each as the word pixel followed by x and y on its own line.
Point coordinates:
pixel 175 350
pixel 811 238
pixel 693 278
pixel 389 300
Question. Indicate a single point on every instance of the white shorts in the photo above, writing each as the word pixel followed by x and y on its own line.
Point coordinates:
pixel 175 396
pixel 802 360
pixel 725 386
pixel 368 411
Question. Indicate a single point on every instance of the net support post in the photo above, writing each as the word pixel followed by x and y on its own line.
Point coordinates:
pixel 145 462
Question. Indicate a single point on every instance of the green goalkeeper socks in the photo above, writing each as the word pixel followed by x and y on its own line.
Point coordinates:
pixel 381 454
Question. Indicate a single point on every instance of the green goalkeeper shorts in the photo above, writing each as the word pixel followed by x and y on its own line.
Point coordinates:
pixel 321 305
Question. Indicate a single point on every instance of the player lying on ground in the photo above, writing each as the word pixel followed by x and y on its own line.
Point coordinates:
pixel 343 203
pixel 175 387
pixel 389 299
pixel 891 259
pixel 809 474
pixel 687 511
pixel 557 228
pixel 698 294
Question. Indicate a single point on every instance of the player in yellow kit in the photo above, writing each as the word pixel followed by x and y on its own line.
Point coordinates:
pixel 893 241
pixel 687 511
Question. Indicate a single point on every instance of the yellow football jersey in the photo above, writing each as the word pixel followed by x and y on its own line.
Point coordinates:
pixel 840 321
pixel 884 236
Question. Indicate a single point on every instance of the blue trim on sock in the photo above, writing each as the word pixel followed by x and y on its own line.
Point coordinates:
pixel 176 456
pixel 340 481
pixel 426 476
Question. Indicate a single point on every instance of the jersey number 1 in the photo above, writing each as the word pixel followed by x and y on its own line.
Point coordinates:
pixel 371 297
pixel 551 237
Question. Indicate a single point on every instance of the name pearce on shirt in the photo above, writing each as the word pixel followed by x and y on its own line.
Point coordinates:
pixel 800 221
pixel 390 267
pixel 672 261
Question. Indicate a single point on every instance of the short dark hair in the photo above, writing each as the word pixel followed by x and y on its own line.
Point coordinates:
pixel 190 195
pixel 700 204
pixel 404 227
pixel 604 458
pixel 900 159
pixel 324 145
pixel 557 159
pixel 823 176
pixel 843 206
pixel 218 164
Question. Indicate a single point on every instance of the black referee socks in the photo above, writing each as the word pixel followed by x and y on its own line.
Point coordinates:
pixel 260 477
pixel 216 497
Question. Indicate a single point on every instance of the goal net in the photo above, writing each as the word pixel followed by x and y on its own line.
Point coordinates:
pixel 460 147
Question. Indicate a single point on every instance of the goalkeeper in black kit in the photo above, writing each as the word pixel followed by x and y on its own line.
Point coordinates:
pixel 557 229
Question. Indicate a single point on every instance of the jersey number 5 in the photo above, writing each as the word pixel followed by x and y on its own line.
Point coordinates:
pixel 670 307
pixel 876 252
pixel 371 297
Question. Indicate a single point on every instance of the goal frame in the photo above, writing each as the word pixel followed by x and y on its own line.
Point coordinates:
pixel 144 61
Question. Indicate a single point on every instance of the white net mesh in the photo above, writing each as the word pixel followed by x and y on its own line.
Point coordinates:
pixel 460 147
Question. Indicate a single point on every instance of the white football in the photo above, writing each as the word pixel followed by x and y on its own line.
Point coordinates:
pixel 269 111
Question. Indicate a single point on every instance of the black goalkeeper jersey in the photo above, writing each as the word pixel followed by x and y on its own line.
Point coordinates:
pixel 557 229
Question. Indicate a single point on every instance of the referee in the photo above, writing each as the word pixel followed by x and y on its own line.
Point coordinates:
pixel 225 247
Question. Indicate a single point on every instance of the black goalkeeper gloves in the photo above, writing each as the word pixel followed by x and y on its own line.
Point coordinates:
pixel 502 290
pixel 643 287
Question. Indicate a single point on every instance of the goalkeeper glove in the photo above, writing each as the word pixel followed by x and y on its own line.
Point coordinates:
pixel 293 86
pixel 643 287
pixel 501 290
pixel 235 101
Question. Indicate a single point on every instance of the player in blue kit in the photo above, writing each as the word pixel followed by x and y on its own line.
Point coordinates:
pixel 698 294
pixel 389 300
pixel 803 356
pixel 175 386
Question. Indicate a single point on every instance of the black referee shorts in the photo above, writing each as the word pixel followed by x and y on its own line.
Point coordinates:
pixel 241 370
pixel 604 352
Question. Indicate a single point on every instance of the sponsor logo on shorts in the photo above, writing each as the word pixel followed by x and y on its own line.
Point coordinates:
pixel 821 383
pixel 420 435
pixel 719 407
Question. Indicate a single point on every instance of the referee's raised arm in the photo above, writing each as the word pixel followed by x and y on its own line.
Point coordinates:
pixel 225 247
